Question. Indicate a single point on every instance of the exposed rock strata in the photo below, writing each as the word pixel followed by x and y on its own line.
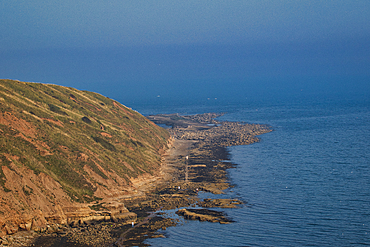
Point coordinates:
pixel 67 155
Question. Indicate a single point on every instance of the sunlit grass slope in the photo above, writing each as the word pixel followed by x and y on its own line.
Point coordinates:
pixel 81 139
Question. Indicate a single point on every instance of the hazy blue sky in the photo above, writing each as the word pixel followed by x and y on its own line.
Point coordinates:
pixel 97 23
pixel 154 46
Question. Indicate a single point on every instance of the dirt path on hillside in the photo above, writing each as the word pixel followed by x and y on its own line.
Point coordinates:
pixel 175 157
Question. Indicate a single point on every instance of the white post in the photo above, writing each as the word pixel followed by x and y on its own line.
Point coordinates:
pixel 186 169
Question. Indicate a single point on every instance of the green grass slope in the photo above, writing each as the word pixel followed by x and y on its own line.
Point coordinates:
pixel 82 140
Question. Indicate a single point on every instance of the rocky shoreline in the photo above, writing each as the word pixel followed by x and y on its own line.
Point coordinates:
pixel 196 162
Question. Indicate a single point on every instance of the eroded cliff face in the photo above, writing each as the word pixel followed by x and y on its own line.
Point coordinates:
pixel 67 156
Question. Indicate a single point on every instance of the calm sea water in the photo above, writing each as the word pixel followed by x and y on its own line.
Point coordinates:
pixel 307 183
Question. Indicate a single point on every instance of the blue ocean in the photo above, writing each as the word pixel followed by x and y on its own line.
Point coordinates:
pixel 307 183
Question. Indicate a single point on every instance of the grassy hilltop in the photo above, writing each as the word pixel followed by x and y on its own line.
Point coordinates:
pixel 60 144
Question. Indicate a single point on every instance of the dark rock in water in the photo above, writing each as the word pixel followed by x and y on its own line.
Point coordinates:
pixel 204 215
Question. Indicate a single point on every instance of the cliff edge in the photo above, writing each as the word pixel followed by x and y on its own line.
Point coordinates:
pixel 67 156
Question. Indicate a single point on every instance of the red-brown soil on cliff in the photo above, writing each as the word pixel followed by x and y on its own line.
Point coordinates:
pixel 65 155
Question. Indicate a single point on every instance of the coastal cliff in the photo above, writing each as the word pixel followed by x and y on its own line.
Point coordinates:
pixel 68 156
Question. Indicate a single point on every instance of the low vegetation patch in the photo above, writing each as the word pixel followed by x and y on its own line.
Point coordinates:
pixel 57 109
pixel 50 137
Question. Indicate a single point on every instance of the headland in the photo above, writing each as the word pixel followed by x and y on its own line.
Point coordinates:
pixel 197 160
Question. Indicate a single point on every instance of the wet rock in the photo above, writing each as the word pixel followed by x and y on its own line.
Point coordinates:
pixel 158 236
pixel 220 203
pixel 204 215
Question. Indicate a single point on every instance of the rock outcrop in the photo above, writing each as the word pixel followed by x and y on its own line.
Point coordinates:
pixel 204 215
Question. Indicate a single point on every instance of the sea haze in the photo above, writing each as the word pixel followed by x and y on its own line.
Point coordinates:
pixel 177 73
pixel 307 183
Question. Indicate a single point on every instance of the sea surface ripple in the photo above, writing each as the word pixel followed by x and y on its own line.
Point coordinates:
pixel 307 183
